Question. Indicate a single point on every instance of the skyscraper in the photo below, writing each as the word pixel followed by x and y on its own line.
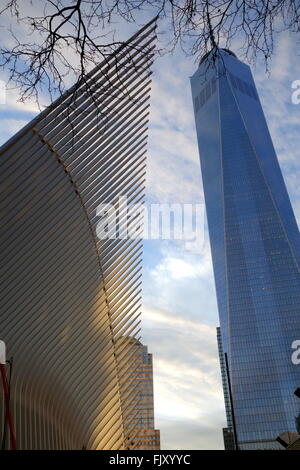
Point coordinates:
pixel 69 300
pixel 228 434
pixel 139 421
pixel 255 247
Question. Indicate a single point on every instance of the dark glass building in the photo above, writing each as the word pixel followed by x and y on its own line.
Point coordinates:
pixel 255 246
pixel 228 435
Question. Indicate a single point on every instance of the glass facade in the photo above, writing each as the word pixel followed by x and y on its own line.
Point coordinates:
pixel 228 436
pixel 255 247
pixel 139 419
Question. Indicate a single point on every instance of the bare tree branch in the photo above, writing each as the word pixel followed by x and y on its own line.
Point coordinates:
pixel 64 37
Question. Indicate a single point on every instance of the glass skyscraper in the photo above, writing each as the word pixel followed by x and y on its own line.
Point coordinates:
pixel 228 435
pixel 255 247
pixel 136 390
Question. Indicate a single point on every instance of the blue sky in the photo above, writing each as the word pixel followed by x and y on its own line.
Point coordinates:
pixel 179 305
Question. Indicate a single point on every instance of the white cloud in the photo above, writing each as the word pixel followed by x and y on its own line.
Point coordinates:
pixel 187 384
pixel 9 127
pixel 177 268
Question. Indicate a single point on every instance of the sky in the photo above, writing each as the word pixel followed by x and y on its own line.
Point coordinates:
pixel 180 315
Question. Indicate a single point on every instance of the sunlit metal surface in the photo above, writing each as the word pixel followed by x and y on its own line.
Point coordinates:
pixel 69 300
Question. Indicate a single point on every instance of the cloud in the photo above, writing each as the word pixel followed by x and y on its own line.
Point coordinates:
pixel 173 164
pixel 187 384
pixel 180 281
pixel 177 268
pixel 202 435
pixel 9 127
